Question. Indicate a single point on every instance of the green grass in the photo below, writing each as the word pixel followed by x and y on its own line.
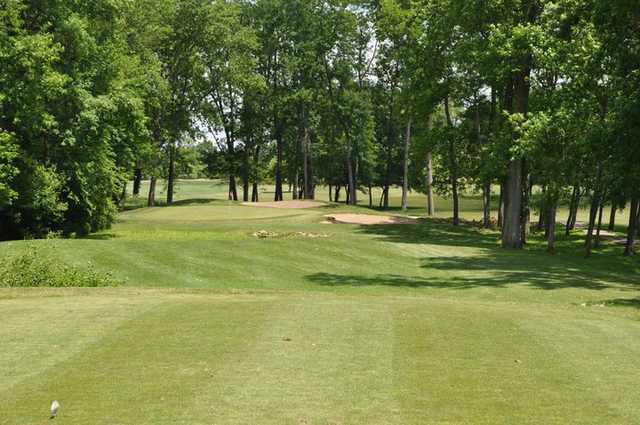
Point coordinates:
pixel 383 324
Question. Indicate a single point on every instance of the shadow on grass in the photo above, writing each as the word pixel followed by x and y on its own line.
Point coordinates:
pixel 492 266
pixel 467 276
pixel 101 236
pixel 433 233
pixel 618 302
pixel 136 204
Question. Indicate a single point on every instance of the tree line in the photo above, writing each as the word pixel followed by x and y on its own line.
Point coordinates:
pixel 528 96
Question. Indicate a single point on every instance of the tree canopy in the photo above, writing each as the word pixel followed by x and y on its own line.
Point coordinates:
pixel 529 96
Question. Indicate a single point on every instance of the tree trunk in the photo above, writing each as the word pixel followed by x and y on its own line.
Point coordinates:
pixel 526 196
pixel 501 207
pixel 612 217
pixel 370 196
pixel 352 196
pixel 294 195
pixel 347 194
pixel 599 227
pixel 278 194
pixel 543 215
pixel 137 181
pixel 431 210
pixel 511 232
pixel 551 225
pixel 631 230
pixel 456 202
pixel 123 195
pixel 308 180
pixel 593 212
pixel 454 164
pixel 330 198
pixel 171 178
pixel 245 176
pixel 233 191
pixel 575 200
pixel 254 193
pixel 405 172
pixel 245 189
pixel 151 198
pixel 486 205
pixel 336 195
pixel 385 198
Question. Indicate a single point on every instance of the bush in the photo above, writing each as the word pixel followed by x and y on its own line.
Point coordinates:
pixel 31 269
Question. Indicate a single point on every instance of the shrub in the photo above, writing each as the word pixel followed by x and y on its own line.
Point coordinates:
pixel 31 269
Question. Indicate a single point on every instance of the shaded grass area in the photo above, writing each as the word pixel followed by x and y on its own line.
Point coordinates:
pixel 380 324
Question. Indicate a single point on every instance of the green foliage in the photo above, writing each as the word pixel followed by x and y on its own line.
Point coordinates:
pixel 33 269
pixel 8 169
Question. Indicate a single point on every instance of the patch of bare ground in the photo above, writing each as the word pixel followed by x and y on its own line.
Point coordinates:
pixel 300 204
pixel 369 219
pixel 265 234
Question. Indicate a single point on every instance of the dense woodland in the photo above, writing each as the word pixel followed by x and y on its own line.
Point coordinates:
pixel 451 96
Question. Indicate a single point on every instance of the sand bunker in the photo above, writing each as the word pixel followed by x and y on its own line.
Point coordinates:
pixel 286 204
pixel 370 219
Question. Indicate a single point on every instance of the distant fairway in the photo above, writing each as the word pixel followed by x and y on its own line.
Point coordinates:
pixel 382 324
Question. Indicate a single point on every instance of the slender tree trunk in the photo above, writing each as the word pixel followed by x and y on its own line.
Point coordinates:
pixel 256 175
pixel 593 212
pixel 501 207
pixel 599 227
pixel 123 195
pixel 278 194
pixel 612 217
pixel 456 202
pixel 352 198
pixel 574 212
pixel 295 185
pixel 151 198
pixel 336 195
pixel 551 224
pixel 486 205
pixel 370 196
pixel 137 181
pixel 631 230
pixel 543 212
pixel 431 209
pixel 171 178
pixel 306 151
pixel 245 176
pixel 405 173
pixel 347 194
pixel 385 197
pixel 575 200
pixel 233 191
pixel 330 198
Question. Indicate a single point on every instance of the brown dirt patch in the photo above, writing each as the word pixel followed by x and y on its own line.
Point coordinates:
pixel 369 219
pixel 301 204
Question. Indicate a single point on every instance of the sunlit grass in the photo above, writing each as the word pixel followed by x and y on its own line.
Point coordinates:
pixel 381 324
